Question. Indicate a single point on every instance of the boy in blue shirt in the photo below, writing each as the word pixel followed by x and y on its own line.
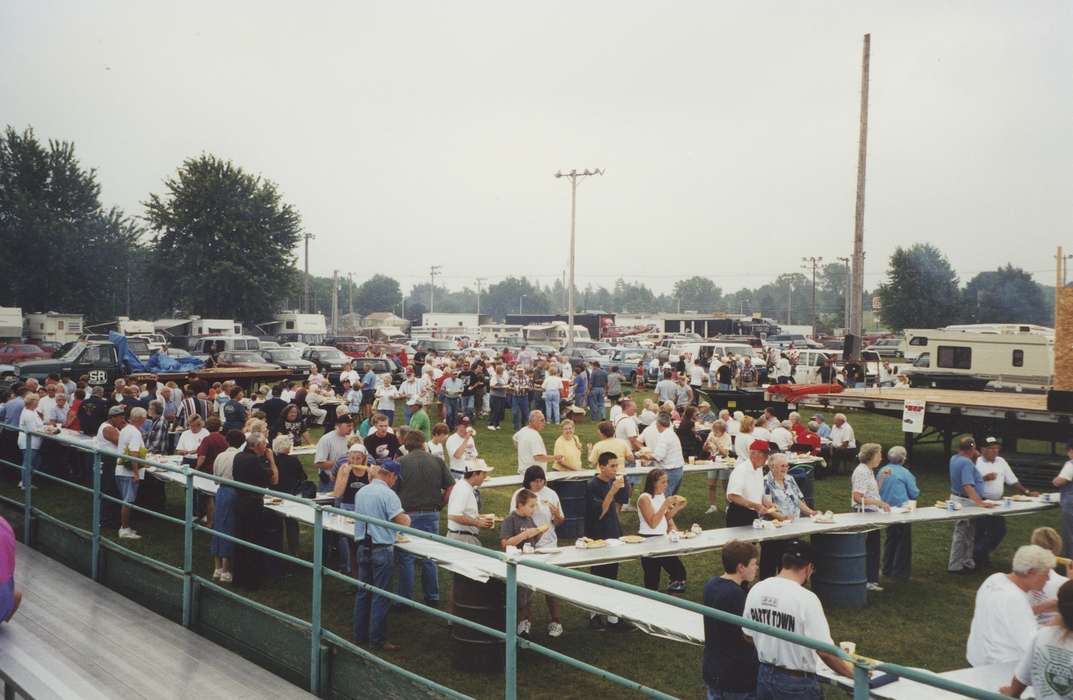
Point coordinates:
pixel 896 486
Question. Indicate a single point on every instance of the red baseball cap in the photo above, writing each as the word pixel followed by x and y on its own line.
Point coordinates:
pixel 759 446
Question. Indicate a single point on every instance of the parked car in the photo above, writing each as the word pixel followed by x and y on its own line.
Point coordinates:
pixel 287 358
pixel 583 357
pixel 887 347
pixel 269 344
pixel 785 340
pixel 49 346
pixel 625 360
pixel 438 345
pixel 244 359
pixel 19 352
pixel 384 366
pixel 327 359
pixel 542 349
pixel 178 353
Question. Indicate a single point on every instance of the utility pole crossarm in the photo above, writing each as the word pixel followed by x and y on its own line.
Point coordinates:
pixel 573 175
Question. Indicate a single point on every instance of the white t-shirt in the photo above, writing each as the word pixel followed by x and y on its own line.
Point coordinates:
pixel 864 482
pixel 553 382
pixel 529 444
pixel 1047 666
pixel 760 433
pixel 100 442
pixel 994 488
pixel 782 367
pixel 462 502
pixel 650 436
pixel 842 433
pixel 626 428
pixel 352 375
pixel 696 375
pixel 643 528
pixel 615 414
pixel 733 426
pixel 453 443
pixel 783 438
pixel 189 441
pixel 668 450
pixel 742 442
pixel 1002 623
pixel 387 395
pixel 130 440
pixel 542 515
pixel 29 420
pixel 1067 471
pixel 746 481
pixel 782 603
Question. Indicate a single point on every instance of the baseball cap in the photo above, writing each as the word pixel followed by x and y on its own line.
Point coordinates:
pixel 357 447
pixel 799 553
pixel 759 446
pixel 393 467
pixel 966 444
pixel 992 441
pixel 464 419
pixel 116 411
pixel 817 415
pixel 477 466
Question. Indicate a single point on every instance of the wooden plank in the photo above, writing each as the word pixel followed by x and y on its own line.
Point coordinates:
pixel 1001 400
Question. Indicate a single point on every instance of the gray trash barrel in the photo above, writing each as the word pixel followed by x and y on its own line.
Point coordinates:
pixel 841 569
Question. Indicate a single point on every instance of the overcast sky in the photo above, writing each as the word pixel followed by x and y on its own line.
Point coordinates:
pixel 409 134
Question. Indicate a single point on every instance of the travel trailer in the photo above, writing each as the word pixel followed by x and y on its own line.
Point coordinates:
pixel 10 323
pixel 53 327
pixel 975 357
pixel 553 334
pixel 292 326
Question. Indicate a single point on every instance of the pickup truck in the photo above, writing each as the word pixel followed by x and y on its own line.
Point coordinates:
pixel 99 363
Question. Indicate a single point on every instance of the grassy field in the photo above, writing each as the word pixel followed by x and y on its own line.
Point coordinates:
pixel 923 622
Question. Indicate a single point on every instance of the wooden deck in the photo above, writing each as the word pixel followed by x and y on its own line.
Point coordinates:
pixel 112 647
pixel 1002 400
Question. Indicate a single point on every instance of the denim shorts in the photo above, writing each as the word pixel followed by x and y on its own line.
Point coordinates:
pixel 128 488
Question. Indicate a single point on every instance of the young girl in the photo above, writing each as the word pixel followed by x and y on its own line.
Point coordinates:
pixel 657 513
pixel 518 530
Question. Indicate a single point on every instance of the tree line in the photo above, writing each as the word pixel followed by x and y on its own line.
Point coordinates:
pixel 220 242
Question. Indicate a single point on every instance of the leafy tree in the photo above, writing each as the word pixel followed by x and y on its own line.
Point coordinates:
pixel 921 290
pixel 224 240
pixel 378 293
pixel 61 250
pixel 634 298
pixel 1006 295
pixel 698 294
pixel 506 296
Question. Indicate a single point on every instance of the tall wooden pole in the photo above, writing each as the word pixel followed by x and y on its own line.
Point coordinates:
pixel 1058 279
pixel 857 277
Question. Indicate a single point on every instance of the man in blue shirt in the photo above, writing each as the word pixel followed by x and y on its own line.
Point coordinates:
pixel 965 485
pixel 597 391
pixel 730 665
pixel 581 387
pixel 376 554
pixel 896 486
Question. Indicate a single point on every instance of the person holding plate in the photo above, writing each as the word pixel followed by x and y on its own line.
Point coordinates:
pixel 865 497
pixel 548 512
pixel 656 513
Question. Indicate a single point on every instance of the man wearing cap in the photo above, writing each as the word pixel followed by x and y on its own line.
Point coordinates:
pixel 822 429
pixel 426 485
pixel 965 487
pixel 464 506
pixel 782 601
pixel 127 473
pixel 376 554
pixel 331 448
pixel 745 489
pixel 107 438
pixel 461 447
pixel 452 388
pixel 996 474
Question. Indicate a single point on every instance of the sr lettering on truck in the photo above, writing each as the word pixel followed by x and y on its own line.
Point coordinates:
pixel 775 618
pixel 98 376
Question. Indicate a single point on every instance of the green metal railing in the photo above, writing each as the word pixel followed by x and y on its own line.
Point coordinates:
pixel 861 667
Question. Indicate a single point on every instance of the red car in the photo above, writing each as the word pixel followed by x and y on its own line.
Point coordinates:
pixel 244 360
pixel 17 352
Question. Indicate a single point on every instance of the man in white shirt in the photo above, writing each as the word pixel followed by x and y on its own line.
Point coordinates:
pixel 128 473
pixel 782 601
pixel 461 446
pixel 782 437
pixel 530 444
pixel 733 424
pixel 668 453
pixel 666 388
pixel 463 507
pixel 626 426
pixel 410 393
pixel 783 370
pixel 350 373
pixel 745 489
pixel 1003 624
pixel 996 474
pixel 843 443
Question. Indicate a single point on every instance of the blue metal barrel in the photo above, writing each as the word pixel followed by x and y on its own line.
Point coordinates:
pixel 841 569
pixel 572 497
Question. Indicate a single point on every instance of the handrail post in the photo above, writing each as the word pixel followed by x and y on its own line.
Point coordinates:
pixel 95 540
pixel 27 488
pixel 188 550
pixel 314 616
pixel 511 629
pixel 861 688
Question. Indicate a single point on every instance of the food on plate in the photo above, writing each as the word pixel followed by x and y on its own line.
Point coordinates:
pixel 826 517
pixel 696 528
pixel 593 544
pixel 272 500
pixel 632 539
pixel 543 528
pixel 1020 497
pixel 401 538
pixel 687 535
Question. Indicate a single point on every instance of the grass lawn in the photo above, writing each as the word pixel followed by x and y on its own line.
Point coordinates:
pixel 923 622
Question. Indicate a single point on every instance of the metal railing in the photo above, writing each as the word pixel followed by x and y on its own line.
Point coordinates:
pixel 862 667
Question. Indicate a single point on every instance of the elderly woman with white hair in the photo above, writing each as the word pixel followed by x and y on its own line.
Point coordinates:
pixel 1003 622
pixel 897 486
pixel 790 503
pixel 865 497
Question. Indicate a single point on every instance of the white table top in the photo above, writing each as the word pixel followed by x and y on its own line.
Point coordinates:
pixel 991 677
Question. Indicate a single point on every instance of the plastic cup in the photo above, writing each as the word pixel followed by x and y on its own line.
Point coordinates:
pixel 848 647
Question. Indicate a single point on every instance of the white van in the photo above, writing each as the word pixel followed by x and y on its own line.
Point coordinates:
pixel 704 351
pixel 204 346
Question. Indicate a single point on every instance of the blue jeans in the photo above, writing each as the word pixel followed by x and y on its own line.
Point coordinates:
pixel 428 522
pixel 519 410
pixel 370 610
pixel 551 406
pixel 990 531
pixel 408 412
pixel 452 406
pixel 723 387
pixel 390 415
pixel 714 694
pixel 596 403
pixel 35 463
pixel 499 407
pixel 772 684
pixel 674 480
pixel 467 407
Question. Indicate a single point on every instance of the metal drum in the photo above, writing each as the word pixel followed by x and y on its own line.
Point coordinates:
pixel 841 569
pixel 485 603
pixel 572 497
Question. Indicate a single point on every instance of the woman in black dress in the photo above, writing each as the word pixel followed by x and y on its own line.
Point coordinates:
pixel 254 466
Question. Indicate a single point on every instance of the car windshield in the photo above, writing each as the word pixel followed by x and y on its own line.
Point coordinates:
pixel 74 352
pixel 242 357
pixel 286 355
pixel 332 354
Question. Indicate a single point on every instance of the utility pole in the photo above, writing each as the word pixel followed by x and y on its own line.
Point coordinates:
pixel 308 304
pixel 813 261
pixel 479 280
pixel 520 300
pixel 432 272
pixel 350 292
pixel 573 175
pixel 335 302
pixel 849 287
pixel 857 288
pixel 789 301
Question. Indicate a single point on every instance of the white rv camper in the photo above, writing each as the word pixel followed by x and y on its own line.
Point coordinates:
pixel 53 327
pixel 974 357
